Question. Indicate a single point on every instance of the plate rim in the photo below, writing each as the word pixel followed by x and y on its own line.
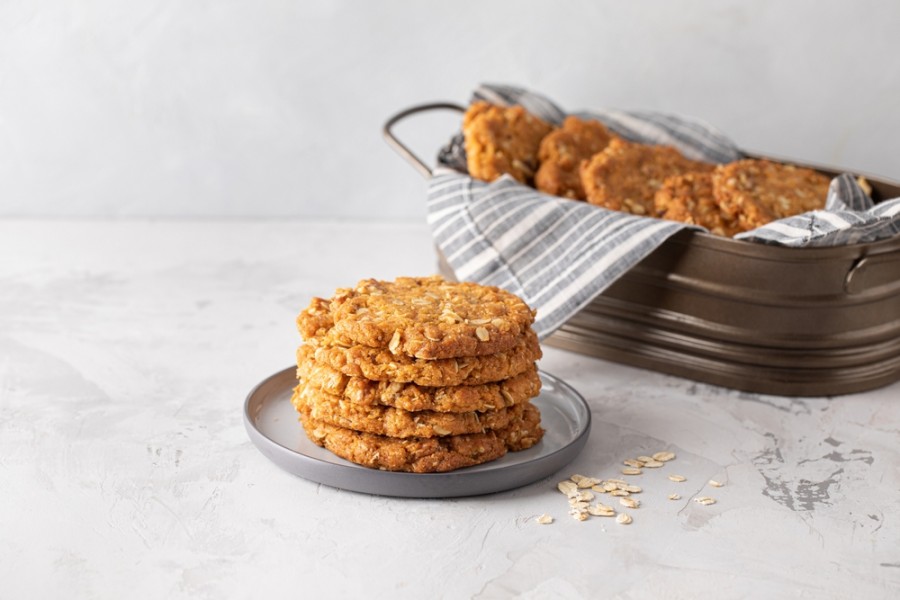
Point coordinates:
pixel 573 446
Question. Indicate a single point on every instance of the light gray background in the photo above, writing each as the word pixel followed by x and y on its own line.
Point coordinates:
pixel 274 108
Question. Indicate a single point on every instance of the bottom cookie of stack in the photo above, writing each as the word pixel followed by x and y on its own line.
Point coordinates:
pixel 425 455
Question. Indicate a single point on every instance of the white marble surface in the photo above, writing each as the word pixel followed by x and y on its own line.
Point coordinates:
pixel 126 350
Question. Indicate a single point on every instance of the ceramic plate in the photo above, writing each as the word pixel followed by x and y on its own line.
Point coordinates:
pixel 274 428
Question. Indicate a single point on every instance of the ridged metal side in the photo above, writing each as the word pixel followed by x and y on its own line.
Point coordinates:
pixel 786 321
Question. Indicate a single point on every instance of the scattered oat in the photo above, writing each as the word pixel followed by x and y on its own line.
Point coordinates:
pixel 584 496
pixel 601 510
pixel 629 502
pixel 580 490
pixel 567 487
pixel 715 483
pixel 544 519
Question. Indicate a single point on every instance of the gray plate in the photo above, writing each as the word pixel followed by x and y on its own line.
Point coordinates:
pixel 273 427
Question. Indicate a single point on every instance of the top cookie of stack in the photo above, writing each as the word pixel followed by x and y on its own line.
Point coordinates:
pixel 430 318
pixel 380 328
pixel 418 374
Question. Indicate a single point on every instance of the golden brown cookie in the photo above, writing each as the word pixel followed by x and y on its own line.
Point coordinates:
pixel 522 435
pixel 396 422
pixel 755 192
pixel 315 319
pixel 561 153
pixel 379 364
pixel 428 317
pixel 501 140
pixel 412 397
pixel 626 175
pixel 416 455
pixel 689 199
pixel 424 455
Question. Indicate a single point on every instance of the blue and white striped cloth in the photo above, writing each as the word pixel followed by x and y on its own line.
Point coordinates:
pixel 558 255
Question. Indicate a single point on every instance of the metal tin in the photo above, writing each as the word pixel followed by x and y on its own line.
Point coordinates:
pixel 754 317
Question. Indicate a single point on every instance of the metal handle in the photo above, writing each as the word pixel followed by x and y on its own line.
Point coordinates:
pixel 401 148
pixel 876 270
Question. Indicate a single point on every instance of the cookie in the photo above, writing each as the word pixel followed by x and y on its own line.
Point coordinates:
pixel 523 434
pixel 626 175
pixel 754 192
pixel 428 317
pixel 561 153
pixel 424 455
pixel 412 397
pixel 501 140
pixel 689 199
pixel 379 364
pixel 396 422
pixel 315 319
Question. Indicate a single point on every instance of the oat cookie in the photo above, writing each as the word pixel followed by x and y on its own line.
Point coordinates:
pixel 396 422
pixel 561 153
pixel 521 435
pixel 755 192
pixel 416 455
pixel 428 317
pixel 315 319
pixel 424 455
pixel 626 175
pixel 379 364
pixel 502 140
pixel 689 199
pixel 412 397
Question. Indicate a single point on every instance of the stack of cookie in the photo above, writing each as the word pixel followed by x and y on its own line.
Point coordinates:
pixel 418 374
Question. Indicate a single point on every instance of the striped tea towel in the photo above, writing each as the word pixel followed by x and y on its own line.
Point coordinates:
pixel 559 254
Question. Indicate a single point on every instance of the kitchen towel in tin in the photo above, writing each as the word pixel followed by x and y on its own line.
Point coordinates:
pixel 559 254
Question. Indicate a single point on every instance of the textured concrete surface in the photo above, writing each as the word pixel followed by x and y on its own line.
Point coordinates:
pixel 126 350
